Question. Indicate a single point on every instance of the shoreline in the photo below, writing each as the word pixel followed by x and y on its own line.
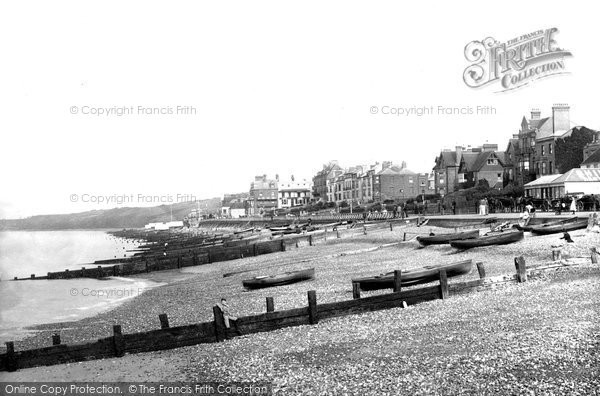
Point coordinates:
pixel 188 294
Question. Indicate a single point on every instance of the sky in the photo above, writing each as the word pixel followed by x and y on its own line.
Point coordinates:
pixel 265 87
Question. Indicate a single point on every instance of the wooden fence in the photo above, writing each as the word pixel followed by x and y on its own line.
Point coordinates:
pixel 174 337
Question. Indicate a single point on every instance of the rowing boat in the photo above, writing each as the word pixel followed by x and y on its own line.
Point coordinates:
pixel 414 276
pixel 529 227
pixel 441 239
pixel 494 238
pixel 279 279
pixel 546 229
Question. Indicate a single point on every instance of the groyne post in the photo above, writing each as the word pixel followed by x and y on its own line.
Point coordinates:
pixel 11 359
pixel 56 339
pixel 270 304
pixel 220 329
pixel 164 321
pixel 397 281
pixel 118 342
pixel 312 307
pixel 481 270
pixel 355 290
pixel 521 269
pixel 443 285
pixel 594 255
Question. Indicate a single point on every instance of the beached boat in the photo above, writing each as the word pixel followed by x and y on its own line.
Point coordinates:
pixel 492 238
pixel 555 222
pixel 441 239
pixel 544 229
pixel 416 276
pixel 279 279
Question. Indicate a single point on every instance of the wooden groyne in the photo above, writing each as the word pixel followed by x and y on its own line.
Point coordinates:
pixel 167 337
pixel 168 251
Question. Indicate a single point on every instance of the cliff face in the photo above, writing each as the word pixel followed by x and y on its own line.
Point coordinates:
pixel 110 218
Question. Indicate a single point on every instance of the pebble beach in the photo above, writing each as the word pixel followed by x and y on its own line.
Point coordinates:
pixel 541 337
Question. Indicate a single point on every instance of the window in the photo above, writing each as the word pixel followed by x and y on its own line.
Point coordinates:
pixel 499 177
pixel 526 165
pixel 492 161
pixel 410 179
pixel 550 170
pixel 549 148
pixel 544 168
pixel 543 151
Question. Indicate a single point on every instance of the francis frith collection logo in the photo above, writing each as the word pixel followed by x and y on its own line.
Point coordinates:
pixel 515 63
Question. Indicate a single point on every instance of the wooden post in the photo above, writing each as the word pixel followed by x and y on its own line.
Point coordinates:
pixel 310 241
pixel 32 276
pixel 254 249
pixel 220 329
pixel 164 321
pixel 364 229
pixel 556 254
pixel 338 232
pixel 283 245
pixel 391 226
pixel 325 233
pixel 404 237
pixel 11 359
pixel 209 260
pixel 56 339
pixel 355 290
pixel 312 307
pixel 66 274
pixel 118 341
pixel 443 285
pixel 521 269
pixel 146 262
pixel 594 256
pixel 179 261
pixel 116 270
pixel 100 272
pixel 270 304
pixel 481 270
pixel 83 272
pixel 397 281
pixel 16 278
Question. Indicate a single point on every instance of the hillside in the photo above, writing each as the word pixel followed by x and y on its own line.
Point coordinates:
pixel 110 218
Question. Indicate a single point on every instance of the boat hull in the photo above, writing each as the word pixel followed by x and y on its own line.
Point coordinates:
pixel 501 238
pixel 447 238
pixel 280 279
pixel 556 228
pixel 414 277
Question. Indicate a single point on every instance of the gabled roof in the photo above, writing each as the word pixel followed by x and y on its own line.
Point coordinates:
pixel 579 175
pixel 537 123
pixel 592 159
pixel 542 181
pixel 467 161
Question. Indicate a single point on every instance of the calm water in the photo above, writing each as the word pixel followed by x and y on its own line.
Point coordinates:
pixel 26 303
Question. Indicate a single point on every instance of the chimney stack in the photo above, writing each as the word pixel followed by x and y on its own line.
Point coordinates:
pixel 560 118
pixel 535 114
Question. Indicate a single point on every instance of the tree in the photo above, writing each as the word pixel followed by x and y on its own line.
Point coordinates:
pixel 569 151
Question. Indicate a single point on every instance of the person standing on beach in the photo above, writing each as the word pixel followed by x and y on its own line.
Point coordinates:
pixel 453 207
pixel 573 207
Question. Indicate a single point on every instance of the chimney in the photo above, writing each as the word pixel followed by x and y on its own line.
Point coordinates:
pixel 403 166
pixel 264 177
pixel 490 147
pixel 535 114
pixel 459 151
pixel 560 118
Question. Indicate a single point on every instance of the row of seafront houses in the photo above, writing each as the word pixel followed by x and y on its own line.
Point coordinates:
pixel 548 158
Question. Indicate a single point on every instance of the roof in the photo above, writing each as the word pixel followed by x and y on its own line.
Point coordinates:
pixel 538 123
pixel 592 159
pixel 544 180
pixel 469 158
pixel 580 175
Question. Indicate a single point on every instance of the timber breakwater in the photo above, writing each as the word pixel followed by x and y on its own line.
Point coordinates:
pixel 173 250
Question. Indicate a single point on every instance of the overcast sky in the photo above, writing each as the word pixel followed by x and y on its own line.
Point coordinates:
pixel 277 88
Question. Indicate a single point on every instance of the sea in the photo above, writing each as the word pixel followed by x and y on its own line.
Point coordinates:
pixel 31 302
